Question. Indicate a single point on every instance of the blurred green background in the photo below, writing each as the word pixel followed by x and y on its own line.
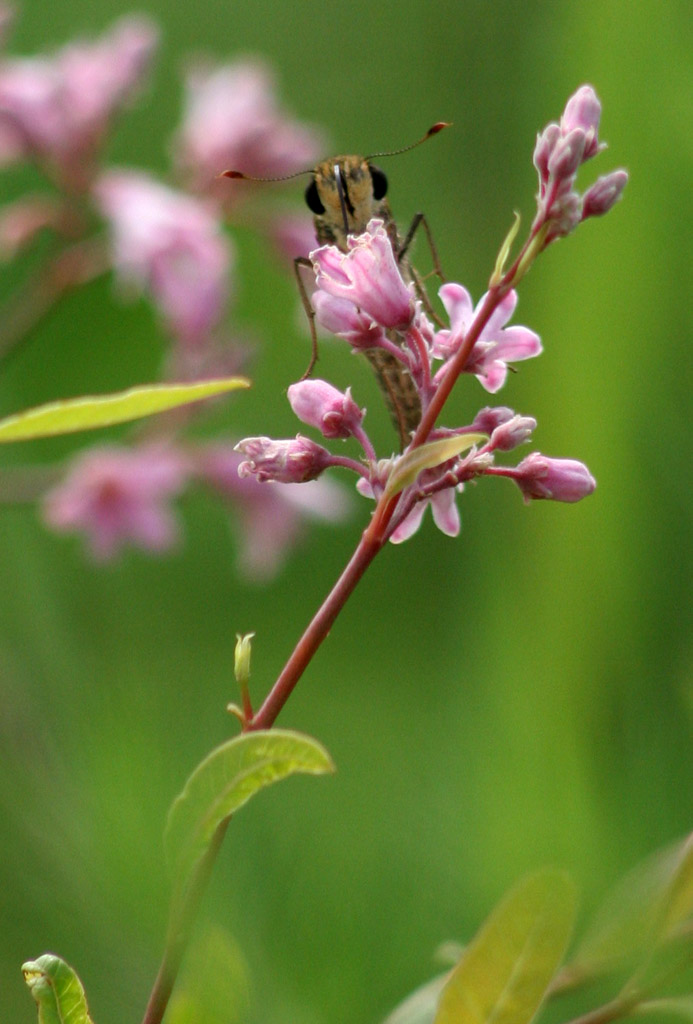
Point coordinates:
pixel 518 697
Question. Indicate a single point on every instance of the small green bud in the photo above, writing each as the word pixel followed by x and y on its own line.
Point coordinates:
pixel 241 666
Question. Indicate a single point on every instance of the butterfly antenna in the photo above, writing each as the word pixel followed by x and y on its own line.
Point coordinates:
pixel 433 130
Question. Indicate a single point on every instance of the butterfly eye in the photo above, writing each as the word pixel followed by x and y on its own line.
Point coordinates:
pixel 379 182
pixel 313 198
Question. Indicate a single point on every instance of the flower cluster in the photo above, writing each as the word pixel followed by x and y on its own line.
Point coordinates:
pixel 57 109
pixel 559 152
pixel 362 297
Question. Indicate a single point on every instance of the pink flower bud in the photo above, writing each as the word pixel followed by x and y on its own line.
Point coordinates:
pixel 546 143
pixel 334 413
pixel 583 110
pixel 538 476
pixel 513 433
pixel 368 276
pixel 564 215
pixel 489 418
pixel 567 154
pixel 286 462
pixel 605 192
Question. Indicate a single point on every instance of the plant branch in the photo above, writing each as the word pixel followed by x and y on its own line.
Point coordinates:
pixel 317 631
pixel 180 925
pixel 372 541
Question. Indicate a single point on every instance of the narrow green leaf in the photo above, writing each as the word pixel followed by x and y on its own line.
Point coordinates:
pixel 643 909
pixel 504 973
pixel 502 257
pixel 426 456
pixel 91 411
pixel 227 779
pixel 57 990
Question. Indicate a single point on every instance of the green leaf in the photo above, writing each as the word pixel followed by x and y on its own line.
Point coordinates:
pixel 426 456
pixel 214 984
pixel 91 411
pixel 504 973
pixel 643 909
pixel 57 991
pixel 504 252
pixel 227 779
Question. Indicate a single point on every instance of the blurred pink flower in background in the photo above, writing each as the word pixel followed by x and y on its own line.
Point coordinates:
pixel 117 496
pixel 272 518
pixel 292 235
pixel 172 245
pixel 56 109
pixel 232 120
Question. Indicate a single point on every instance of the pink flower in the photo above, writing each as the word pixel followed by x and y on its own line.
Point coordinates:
pixel 496 346
pixel 116 495
pixel 445 513
pixel 291 461
pixel 343 318
pixel 334 413
pixel 538 476
pixel 271 520
pixel 367 276
pixel 442 502
pixel 58 108
pixel 172 245
pixel 232 120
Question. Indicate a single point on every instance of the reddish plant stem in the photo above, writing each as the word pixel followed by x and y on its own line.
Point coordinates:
pixel 428 420
pixel 317 631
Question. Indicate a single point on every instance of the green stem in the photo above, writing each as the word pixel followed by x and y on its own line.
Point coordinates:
pixel 180 926
pixel 619 1007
